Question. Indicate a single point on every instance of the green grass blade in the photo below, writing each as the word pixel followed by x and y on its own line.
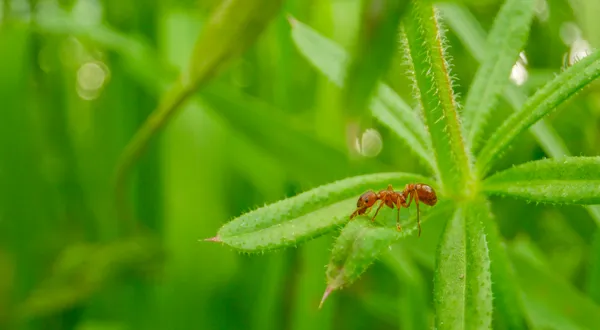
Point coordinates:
pixel 232 28
pixel 462 285
pixel 539 105
pixel 505 41
pixel 377 43
pixel 310 214
pixel 434 86
pixel 386 106
pixel 301 152
pixel 550 302
pixel 567 180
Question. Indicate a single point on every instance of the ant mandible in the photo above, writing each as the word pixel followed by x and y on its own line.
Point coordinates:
pixel 420 192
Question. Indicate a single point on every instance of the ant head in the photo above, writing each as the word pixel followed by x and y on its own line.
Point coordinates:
pixel 367 199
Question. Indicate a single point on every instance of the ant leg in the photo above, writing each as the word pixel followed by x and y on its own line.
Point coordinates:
pixel 379 208
pixel 398 215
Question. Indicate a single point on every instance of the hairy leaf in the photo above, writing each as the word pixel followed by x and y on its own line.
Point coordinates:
pixel 462 285
pixel 434 89
pixel 539 105
pixel 386 106
pixel 508 307
pixel 360 243
pixel 307 215
pixel 566 180
pixel 472 35
pixel 505 41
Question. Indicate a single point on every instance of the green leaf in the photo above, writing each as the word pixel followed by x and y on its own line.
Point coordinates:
pixel 434 89
pixel 567 180
pixel 356 248
pixel 386 106
pixel 505 41
pixel 373 53
pixel 231 29
pixel 305 216
pixel 462 285
pixel 508 307
pixel 539 105
pixel 550 302
pixel 360 243
pixel 472 35
pixel 274 132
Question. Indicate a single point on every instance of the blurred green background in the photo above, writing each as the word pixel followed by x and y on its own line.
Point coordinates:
pixel 78 77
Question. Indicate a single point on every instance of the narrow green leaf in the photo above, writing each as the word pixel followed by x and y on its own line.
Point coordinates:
pixel 231 29
pixel 505 41
pixel 84 269
pixel 272 131
pixel 386 106
pixel 550 302
pixel 567 180
pixel 305 216
pixel 356 248
pixel 360 243
pixel 377 43
pixel 472 35
pixel 434 89
pixel 462 285
pixel 539 105
pixel 508 307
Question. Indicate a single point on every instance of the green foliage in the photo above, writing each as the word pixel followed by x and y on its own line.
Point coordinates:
pixel 386 106
pixel 373 52
pixel 433 87
pixel 472 265
pixel 548 98
pixel 505 41
pixel 259 108
pixel 568 180
pixel 306 215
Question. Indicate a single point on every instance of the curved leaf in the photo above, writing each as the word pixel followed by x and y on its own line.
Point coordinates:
pixel 434 88
pixel 539 105
pixel 386 106
pixel 361 242
pixel 567 180
pixel 307 215
pixel 462 285
pixel 505 41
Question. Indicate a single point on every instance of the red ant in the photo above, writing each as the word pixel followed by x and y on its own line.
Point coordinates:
pixel 420 192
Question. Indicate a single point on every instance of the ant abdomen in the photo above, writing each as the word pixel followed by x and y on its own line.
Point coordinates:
pixel 426 194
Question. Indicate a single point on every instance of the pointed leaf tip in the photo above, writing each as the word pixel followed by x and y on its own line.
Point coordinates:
pixel 325 295
pixel 213 239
